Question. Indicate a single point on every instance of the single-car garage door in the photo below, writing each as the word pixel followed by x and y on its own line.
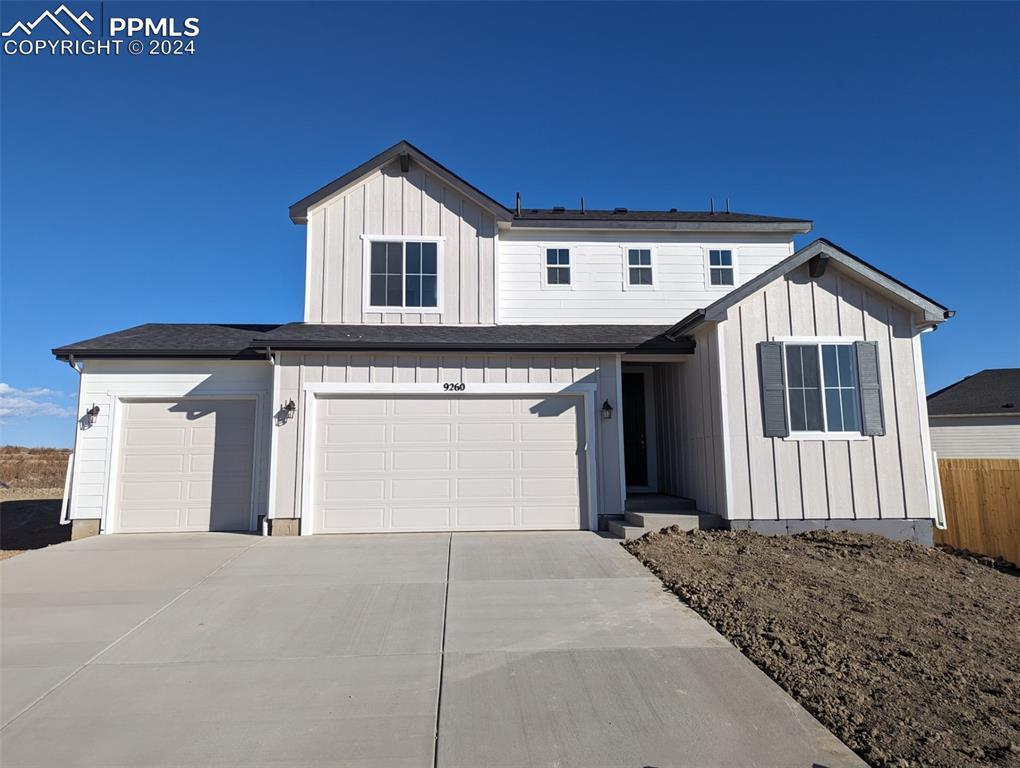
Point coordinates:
pixel 185 465
pixel 436 463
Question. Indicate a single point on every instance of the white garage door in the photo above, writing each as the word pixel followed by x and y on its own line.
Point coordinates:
pixel 185 465
pixel 435 463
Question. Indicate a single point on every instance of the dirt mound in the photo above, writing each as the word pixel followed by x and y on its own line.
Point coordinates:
pixel 31 468
pixel 910 655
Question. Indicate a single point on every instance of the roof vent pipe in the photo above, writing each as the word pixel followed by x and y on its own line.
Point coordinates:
pixel 518 203
pixel 727 205
pixel 711 205
pixel 582 203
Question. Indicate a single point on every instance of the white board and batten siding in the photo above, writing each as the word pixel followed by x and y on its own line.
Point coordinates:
pixel 976 437
pixel 299 371
pixel 391 203
pixel 598 292
pixel 702 450
pixel 870 478
pixel 121 388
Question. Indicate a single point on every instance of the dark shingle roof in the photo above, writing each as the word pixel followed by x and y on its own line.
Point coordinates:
pixel 249 341
pixel 224 340
pixel 983 393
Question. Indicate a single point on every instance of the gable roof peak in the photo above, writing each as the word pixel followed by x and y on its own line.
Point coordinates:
pixel 822 250
pixel 299 210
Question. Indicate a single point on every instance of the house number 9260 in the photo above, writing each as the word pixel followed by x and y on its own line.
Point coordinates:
pixel 451 387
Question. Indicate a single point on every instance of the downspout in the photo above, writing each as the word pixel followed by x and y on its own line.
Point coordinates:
pixel 65 502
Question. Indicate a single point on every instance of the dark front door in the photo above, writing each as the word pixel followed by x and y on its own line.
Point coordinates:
pixel 635 435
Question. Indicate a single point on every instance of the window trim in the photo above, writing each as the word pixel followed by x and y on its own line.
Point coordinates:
pixel 814 434
pixel 546 285
pixel 625 249
pixel 734 265
pixel 366 273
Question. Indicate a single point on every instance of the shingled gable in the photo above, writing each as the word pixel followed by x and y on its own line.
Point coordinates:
pixel 299 210
pixel 819 253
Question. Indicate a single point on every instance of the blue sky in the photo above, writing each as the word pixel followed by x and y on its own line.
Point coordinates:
pixel 138 189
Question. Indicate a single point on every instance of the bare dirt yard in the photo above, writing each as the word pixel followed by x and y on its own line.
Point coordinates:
pixel 910 655
pixel 31 489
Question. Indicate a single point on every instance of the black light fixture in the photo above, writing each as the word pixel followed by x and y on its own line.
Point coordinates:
pixel 92 414
pixel 290 408
pixel 607 410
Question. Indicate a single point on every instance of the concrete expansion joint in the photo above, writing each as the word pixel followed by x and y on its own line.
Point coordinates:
pixel 442 651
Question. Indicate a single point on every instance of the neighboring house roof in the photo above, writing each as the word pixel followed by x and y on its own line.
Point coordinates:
pixel 252 341
pixel 622 218
pixel 557 218
pixel 299 210
pixel 819 253
pixel 991 391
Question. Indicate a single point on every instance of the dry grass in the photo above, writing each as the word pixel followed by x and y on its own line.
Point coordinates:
pixel 32 468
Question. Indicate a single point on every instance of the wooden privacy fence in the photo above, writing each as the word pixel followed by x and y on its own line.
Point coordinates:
pixel 982 502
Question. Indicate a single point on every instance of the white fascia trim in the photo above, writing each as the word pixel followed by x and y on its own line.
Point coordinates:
pixel 311 391
pixel 818 339
pixel 308 272
pixel 273 446
pixel 922 414
pixel 619 433
pixel 797 436
pixel 404 238
pixel 495 277
pixel 339 388
pixel 720 341
pixel 1004 415
pixel 70 495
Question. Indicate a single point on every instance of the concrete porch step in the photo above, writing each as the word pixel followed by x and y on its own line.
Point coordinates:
pixel 634 525
pixel 658 520
pixel 657 502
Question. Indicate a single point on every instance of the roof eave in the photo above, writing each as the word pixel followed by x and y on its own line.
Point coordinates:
pixel 64 355
pixel 678 347
pixel 793 228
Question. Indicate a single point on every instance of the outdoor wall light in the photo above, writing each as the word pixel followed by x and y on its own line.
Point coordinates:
pixel 290 408
pixel 92 414
pixel 607 410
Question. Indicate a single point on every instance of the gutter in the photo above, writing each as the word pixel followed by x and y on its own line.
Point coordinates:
pixel 796 228
pixel 65 355
pixel 693 320
pixel 679 347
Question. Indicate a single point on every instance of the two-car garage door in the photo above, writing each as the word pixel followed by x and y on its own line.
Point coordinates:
pixel 436 463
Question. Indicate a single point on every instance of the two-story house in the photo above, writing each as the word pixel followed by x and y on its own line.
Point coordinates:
pixel 462 365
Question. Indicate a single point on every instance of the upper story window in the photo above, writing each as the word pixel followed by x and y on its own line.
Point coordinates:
pixel 403 275
pixel 720 266
pixel 823 388
pixel 557 266
pixel 639 266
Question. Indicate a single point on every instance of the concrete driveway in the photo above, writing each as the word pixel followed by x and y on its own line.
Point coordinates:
pixel 502 649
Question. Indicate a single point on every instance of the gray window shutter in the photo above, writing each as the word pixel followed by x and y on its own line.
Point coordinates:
pixel 773 389
pixel 872 415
